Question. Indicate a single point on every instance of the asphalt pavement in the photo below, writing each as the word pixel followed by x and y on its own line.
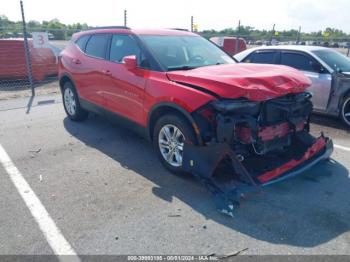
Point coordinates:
pixel 105 192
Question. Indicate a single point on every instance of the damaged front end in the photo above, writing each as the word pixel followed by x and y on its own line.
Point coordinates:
pixel 252 144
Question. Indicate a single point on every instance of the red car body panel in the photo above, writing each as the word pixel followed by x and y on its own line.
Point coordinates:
pixel 133 93
pixel 130 93
pixel 124 90
pixel 139 91
pixel 252 81
pixel 160 90
pixel 86 72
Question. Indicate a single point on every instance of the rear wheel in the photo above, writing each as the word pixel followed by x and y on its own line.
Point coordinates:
pixel 345 111
pixel 169 136
pixel 71 103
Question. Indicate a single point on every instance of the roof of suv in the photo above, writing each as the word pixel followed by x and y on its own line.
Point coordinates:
pixel 136 31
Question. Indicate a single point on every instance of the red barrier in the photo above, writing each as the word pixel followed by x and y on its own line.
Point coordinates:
pixel 13 64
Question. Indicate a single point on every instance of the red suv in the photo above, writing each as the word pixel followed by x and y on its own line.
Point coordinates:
pixel 193 101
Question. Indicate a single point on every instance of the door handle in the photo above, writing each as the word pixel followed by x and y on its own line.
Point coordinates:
pixel 76 61
pixel 107 72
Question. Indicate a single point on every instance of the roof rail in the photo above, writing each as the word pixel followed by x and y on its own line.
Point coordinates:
pixel 109 27
pixel 179 29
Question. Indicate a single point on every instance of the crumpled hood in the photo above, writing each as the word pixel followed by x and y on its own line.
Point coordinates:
pixel 255 82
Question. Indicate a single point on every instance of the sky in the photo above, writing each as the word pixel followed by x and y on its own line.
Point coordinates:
pixel 311 15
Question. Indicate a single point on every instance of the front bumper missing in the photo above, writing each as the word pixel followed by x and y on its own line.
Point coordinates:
pixel 228 190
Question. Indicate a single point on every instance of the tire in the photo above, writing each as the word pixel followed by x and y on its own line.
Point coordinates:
pixel 170 122
pixel 345 111
pixel 69 96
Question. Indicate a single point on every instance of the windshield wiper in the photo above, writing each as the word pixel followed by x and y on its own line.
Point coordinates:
pixel 186 67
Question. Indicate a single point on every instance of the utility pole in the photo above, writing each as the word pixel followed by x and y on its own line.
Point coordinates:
pixel 272 33
pixel 125 18
pixel 26 50
pixel 237 37
pixel 298 36
pixel 192 23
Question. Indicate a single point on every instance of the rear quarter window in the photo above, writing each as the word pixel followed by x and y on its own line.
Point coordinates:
pixel 81 42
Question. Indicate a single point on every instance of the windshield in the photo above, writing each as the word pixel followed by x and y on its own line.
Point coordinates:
pixel 185 52
pixel 334 59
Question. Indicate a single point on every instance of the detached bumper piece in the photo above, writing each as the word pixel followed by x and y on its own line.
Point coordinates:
pixel 230 177
pixel 320 150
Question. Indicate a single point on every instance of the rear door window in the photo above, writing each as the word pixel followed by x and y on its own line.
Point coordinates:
pixel 298 61
pixel 97 45
pixel 261 57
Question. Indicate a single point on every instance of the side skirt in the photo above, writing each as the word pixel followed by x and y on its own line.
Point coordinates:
pixel 115 118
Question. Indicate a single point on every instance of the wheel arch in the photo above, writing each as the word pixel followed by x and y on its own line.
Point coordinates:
pixel 162 109
pixel 336 102
pixel 64 79
pixel 343 97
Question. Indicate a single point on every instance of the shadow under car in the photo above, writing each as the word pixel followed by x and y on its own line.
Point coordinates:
pixel 305 211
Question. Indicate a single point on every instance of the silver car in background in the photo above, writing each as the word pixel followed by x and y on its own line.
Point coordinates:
pixel 328 70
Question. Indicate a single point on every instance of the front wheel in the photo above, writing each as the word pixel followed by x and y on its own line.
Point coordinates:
pixel 71 103
pixel 345 111
pixel 170 134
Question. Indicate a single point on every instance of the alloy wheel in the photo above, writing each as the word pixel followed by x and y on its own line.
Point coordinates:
pixel 171 144
pixel 69 101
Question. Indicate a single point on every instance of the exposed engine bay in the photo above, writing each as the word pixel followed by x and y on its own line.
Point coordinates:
pixel 251 144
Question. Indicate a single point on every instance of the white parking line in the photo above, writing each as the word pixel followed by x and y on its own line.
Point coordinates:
pixel 52 233
pixel 342 147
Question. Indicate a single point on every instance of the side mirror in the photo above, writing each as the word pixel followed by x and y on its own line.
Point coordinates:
pixel 130 62
pixel 317 67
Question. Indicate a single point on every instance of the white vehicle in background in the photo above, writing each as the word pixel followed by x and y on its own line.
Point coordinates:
pixel 328 70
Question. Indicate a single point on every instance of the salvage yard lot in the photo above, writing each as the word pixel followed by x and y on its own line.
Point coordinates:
pixel 108 194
